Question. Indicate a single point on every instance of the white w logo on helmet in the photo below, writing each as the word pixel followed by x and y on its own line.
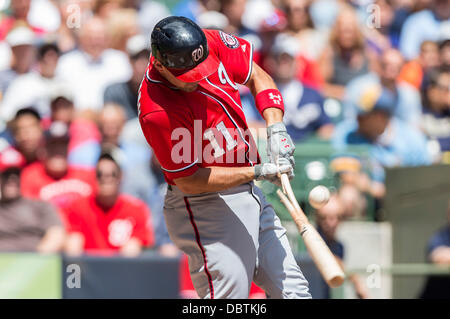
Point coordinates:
pixel 197 54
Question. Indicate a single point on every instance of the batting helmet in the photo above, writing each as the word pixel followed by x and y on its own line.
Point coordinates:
pixel 181 46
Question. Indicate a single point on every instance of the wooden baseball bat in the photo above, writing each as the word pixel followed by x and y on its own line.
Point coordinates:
pixel 317 248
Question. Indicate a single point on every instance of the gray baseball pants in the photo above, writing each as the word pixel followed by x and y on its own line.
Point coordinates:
pixel 232 238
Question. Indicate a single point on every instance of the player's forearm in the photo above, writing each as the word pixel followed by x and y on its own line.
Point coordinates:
pixel 261 81
pixel 215 179
pixel 272 116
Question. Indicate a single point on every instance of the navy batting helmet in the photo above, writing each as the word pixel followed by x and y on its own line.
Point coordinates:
pixel 181 46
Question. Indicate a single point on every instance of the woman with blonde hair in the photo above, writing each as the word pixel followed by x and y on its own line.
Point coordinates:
pixel 345 57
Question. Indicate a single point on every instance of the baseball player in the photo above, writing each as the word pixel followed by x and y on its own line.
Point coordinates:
pixel 191 115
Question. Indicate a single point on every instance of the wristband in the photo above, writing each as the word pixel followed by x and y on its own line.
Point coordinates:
pixel 269 98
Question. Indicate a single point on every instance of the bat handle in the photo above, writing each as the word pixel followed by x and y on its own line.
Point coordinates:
pixel 287 188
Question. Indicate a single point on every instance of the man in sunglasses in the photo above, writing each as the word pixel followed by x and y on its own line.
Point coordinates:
pixel 108 221
pixel 191 115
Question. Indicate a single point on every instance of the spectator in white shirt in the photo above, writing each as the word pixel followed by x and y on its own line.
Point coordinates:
pixel 33 88
pixel 20 40
pixel 92 67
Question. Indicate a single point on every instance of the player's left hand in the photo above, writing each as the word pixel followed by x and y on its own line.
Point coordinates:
pixel 279 143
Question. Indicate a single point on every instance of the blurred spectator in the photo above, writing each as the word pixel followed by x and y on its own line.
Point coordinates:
pixel 436 108
pixel 133 158
pixel 414 71
pixel 92 67
pixel 72 16
pixel 407 102
pixel 193 8
pixel 256 11
pixel 439 245
pixel 380 37
pixel 430 24
pixel 328 219
pixel 27 136
pixel 444 53
pixel 105 8
pixel 44 15
pixel 21 42
pixel 33 88
pixel 150 12
pixel 234 11
pixel 438 253
pixel 121 24
pixel 139 179
pixel 212 20
pixel 26 225
pixel 346 57
pixel 84 143
pixel 125 94
pixel 390 142
pixel 108 220
pixel 306 71
pixel 53 179
pixel 304 112
pixel 19 17
pixel 301 26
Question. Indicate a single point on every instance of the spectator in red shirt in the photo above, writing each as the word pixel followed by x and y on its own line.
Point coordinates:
pixel 26 224
pixel 52 178
pixel 108 221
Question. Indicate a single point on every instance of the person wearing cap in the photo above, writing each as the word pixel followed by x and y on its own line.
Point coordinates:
pixel 407 102
pixel 52 178
pixel 26 225
pixel 125 94
pixel 304 111
pixel 21 41
pixel 108 221
pixel 391 142
pixel 33 88
pixel 191 115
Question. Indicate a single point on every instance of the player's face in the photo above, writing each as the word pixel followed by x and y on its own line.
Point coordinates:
pixel 184 86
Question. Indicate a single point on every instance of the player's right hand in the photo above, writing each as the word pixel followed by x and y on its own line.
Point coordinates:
pixel 271 172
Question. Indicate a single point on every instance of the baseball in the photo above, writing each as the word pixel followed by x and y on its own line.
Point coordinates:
pixel 319 196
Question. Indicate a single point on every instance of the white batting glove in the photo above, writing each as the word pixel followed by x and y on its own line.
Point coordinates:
pixel 272 172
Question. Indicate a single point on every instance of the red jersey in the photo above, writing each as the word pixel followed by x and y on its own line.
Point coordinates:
pixel 10 157
pixel 110 229
pixel 35 183
pixel 207 127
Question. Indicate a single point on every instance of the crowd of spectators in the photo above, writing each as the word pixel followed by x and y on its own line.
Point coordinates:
pixel 77 174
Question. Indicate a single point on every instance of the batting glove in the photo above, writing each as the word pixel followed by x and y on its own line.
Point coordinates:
pixel 279 143
pixel 271 172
